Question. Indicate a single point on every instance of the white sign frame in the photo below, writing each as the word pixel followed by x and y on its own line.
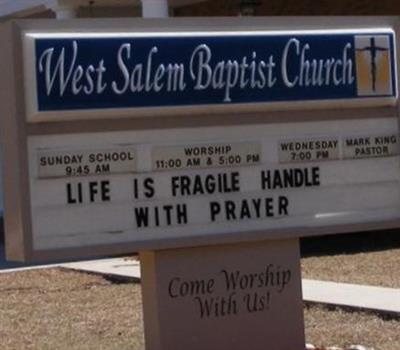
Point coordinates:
pixel 17 128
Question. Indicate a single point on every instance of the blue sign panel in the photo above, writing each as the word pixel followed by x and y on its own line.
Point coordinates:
pixel 84 73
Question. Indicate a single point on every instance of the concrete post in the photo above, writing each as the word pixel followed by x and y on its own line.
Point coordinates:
pixel 65 12
pixel 154 8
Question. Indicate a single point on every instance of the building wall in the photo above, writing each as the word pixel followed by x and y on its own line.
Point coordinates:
pixel 110 12
pixel 294 8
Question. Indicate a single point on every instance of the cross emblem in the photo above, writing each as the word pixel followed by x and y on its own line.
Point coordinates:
pixel 373 50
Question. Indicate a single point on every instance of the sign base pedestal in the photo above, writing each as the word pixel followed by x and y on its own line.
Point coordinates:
pixel 228 297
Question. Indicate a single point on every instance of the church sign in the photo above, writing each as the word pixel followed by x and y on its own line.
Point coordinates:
pixel 186 147
pixel 209 147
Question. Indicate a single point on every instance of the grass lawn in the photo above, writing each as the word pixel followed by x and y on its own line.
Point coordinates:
pixel 58 309
pixel 380 268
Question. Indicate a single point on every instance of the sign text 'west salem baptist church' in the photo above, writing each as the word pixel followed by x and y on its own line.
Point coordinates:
pixel 95 72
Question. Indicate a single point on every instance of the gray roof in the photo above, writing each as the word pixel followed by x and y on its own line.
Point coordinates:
pixel 10 7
